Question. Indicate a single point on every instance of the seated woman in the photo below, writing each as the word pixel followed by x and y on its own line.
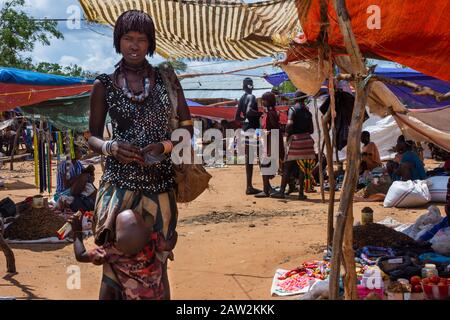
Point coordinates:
pixel 410 166
pixel 76 181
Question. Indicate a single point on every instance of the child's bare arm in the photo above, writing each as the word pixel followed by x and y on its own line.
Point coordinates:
pixel 95 256
pixel 80 251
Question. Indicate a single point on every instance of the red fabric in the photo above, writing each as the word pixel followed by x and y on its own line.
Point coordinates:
pixel 19 95
pixel 228 113
pixel 414 33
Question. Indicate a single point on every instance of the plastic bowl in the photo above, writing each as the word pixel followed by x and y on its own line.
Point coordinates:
pixel 435 292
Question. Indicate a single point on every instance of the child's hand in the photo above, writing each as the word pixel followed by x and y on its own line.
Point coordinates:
pixel 76 222
pixel 97 256
pixel 166 245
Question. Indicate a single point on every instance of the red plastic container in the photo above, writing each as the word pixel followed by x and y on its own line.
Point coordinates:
pixel 436 292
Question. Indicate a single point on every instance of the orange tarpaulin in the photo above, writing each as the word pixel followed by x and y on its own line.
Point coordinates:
pixel 414 33
pixel 14 95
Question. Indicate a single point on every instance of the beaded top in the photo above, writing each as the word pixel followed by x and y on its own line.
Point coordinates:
pixel 140 124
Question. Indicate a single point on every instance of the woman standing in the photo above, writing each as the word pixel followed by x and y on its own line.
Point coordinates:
pixel 138 102
pixel 270 121
pixel 300 145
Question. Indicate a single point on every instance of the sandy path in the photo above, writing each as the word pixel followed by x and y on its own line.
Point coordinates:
pixel 229 246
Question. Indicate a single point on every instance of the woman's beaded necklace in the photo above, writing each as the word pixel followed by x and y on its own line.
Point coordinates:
pixel 136 98
pixel 122 66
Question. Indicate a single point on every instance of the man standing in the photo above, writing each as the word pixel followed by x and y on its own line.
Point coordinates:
pixel 248 113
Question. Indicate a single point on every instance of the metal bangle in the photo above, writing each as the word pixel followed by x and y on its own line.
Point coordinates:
pixel 186 123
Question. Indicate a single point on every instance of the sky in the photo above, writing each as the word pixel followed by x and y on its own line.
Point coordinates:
pixel 91 46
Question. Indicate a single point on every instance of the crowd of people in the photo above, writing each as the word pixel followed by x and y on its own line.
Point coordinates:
pixel 135 207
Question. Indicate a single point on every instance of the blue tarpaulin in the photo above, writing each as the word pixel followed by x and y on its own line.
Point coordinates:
pixel 191 103
pixel 277 78
pixel 13 75
pixel 405 95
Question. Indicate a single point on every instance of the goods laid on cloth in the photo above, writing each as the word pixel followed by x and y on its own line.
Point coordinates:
pixel 423 224
pixel 377 235
pixel 407 194
pixel 370 254
pixel 7 208
pixel 397 267
pixel 34 224
pixel 441 242
pixel 299 280
pixel 438 188
pixel 318 291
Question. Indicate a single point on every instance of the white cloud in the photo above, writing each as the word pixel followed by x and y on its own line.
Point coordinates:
pixel 67 60
pixel 93 51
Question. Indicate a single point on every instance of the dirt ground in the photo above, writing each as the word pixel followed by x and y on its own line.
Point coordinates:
pixel 229 244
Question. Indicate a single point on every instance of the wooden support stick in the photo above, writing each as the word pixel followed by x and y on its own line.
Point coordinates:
pixel 331 179
pixel 344 219
pixel 9 255
pixel 322 191
pixel 16 142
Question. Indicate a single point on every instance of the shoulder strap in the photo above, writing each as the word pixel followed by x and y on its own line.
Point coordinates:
pixel 171 83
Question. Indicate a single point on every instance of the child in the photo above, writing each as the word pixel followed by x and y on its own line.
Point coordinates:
pixel 131 258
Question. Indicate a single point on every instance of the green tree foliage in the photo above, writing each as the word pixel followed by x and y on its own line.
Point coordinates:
pixel 18 35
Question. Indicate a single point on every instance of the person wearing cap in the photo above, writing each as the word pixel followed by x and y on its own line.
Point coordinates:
pixel 300 145
pixel 248 113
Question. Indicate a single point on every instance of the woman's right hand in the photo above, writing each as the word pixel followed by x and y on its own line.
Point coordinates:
pixel 126 153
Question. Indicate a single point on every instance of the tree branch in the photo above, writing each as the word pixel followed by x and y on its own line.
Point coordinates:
pixel 417 89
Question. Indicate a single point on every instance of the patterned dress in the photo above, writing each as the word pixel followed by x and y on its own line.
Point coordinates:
pixel 146 190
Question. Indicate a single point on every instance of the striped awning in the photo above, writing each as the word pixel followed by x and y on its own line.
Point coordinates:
pixel 230 30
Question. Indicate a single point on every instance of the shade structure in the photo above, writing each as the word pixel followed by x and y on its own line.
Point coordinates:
pixel 21 87
pixel 413 33
pixel 230 30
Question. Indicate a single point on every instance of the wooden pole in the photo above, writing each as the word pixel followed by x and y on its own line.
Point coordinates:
pixel 417 89
pixel 16 141
pixel 344 220
pixel 193 75
pixel 331 179
pixel 322 191
pixel 9 255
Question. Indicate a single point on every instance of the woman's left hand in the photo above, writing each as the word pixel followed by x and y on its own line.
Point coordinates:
pixel 154 149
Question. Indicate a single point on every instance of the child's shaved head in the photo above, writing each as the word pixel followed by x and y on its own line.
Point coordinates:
pixel 131 232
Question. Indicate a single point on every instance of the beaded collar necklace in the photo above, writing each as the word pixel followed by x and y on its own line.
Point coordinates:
pixel 122 66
